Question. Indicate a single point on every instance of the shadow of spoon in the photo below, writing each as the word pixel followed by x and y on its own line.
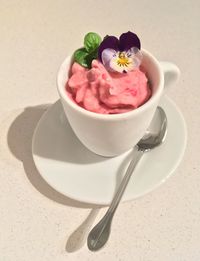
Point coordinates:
pixel 79 237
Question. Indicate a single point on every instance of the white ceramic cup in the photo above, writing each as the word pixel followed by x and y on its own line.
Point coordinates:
pixel 111 135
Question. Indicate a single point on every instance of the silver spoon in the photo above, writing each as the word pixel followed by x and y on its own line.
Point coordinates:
pixel 99 235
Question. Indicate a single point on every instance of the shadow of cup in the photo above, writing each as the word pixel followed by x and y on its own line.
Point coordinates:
pixel 19 138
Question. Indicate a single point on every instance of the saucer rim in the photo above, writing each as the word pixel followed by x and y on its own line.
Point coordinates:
pixel 137 196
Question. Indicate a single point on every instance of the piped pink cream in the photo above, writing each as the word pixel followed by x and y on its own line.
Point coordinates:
pixel 100 91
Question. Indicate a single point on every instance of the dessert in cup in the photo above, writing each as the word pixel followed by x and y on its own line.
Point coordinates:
pixel 110 90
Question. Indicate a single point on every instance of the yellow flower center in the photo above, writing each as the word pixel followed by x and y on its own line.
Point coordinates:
pixel 123 60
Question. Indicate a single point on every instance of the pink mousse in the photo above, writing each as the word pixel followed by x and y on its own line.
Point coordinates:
pixel 100 91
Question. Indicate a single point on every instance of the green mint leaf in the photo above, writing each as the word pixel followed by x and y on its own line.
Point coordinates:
pixel 81 57
pixel 89 59
pixel 94 54
pixel 91 42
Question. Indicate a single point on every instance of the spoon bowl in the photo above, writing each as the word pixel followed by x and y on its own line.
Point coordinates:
pixel 150 141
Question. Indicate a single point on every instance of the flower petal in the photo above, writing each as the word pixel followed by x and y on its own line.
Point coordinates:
pixel 109 42
pixel 129 40
pixel 115 66
pixel 136 55
pixel 131 60
pixel 107 56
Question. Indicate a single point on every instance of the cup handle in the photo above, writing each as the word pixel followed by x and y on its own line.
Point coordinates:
pixel 171 73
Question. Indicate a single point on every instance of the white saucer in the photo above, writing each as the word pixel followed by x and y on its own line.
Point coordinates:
pixel 71 169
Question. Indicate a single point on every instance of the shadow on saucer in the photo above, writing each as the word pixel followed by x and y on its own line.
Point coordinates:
pixel 56 140
pixel 19 140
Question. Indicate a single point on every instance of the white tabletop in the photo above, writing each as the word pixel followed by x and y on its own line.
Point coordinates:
pixel 38 223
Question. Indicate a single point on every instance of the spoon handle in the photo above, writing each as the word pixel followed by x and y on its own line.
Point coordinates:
pixel 120 190
pixel 100 233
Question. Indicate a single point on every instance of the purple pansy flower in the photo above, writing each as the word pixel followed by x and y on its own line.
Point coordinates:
pixel 121 55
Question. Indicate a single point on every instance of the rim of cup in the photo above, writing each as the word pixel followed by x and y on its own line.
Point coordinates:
pixel 118 116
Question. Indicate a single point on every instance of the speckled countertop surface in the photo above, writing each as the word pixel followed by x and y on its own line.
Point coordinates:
pixel 38 223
